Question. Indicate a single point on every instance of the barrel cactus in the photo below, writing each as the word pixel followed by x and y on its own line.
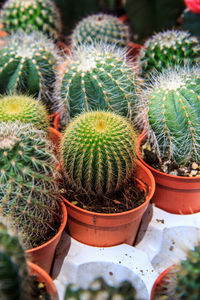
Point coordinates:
pixel 168 48
pixel 31 15
pixel 99 289
pixel 29 69
pixel 182 281
pixel 25 109
pixel 28 191
pixel 98 151
pixel 100 27
pixel 171 109
pixel 98 78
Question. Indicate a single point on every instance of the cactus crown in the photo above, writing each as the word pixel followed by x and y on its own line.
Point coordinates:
pixel 31 15
pixel 171 110
pixel 98 151
pixel 99 289
pixel 25 109
pixel 28 69
pixel 169 48
pixel 27 177
pixel 99 77
pixel 100 27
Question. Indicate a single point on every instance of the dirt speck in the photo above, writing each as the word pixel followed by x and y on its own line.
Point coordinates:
pixel 160 221
pixel 111 273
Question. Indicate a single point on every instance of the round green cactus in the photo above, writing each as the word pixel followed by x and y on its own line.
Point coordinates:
pixel 29 69
pixel 171 110
pixel 99 289
pixel 31 15
pixel 25 109
pixel 98 78
pixel 28 191
pixel 98 151
pixel 168 48
pixel 100 28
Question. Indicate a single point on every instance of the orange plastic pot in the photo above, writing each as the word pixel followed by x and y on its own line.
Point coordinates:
pixel 43 277
pixel 43 255
pixel 55 136
pixel 134 50
pixel 105 230
pixel 175 194
pixel 158 284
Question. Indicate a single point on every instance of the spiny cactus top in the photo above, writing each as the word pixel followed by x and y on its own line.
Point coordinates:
pixel 99 77
pixel 169 48
pixel 98 151
pixel 171 109
pixel 31 15
pixel 27 179
pixel 100 27
pixel 28 64
pixel 25 109
pixel 99 290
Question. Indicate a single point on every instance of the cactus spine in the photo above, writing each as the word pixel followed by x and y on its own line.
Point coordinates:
pixel 98 151
pixel 99 78
pixel 99 290
pixel 25 109
pixel 172 109
pixel 168 48
pixel 100 28
pixel 27 177
pixel 29 69
pixel 31 15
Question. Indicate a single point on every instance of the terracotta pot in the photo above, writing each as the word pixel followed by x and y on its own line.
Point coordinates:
pixel 175 194
pixel 43 277
pixel 104 230
pixel 43 255
pixel 134 50
pixel 158 284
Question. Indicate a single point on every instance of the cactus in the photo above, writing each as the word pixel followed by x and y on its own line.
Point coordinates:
pixel 100 28
pixel 25 109
pixel 98 151
pixel 168 48
pixel 27 178
pixel 14 280
pixel 171 109
pixel 31 15
pixel 98 78
pixel 191 22
pixel 99 290
pixel 182 281
pixel 28 69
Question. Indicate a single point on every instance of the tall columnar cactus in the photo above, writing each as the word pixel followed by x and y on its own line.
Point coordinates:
pixel 172 108
pixel 168 48
pixel 100 27
pixel 182 282
pixel 99 289
pixel 98 151
pixel 25 109
pixel 31 15
pixel 99 78
pixel 28 64
pixel 14 280
pixel 27 178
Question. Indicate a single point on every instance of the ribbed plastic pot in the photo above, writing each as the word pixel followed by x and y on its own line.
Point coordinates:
pixel 158 284
pixel 175 194
pixel 43 277
pixel 105 230
pixel 43 255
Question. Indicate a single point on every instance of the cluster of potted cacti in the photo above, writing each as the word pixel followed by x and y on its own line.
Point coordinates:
pixel 104 102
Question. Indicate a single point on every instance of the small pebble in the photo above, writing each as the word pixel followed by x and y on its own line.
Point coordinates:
pixel 193 173
pixel 194 166
pixel 175 173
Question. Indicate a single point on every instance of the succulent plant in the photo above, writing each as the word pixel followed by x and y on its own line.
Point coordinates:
pixel 99 290
pixel 98 77
pixel 28 191
pixel 14 280
pixel 25 109
pixel 29 69
pixel 168 48
pixel 31 15
pixel 100 28
pixel 171 110
pixel 182 281
pixel 98 151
